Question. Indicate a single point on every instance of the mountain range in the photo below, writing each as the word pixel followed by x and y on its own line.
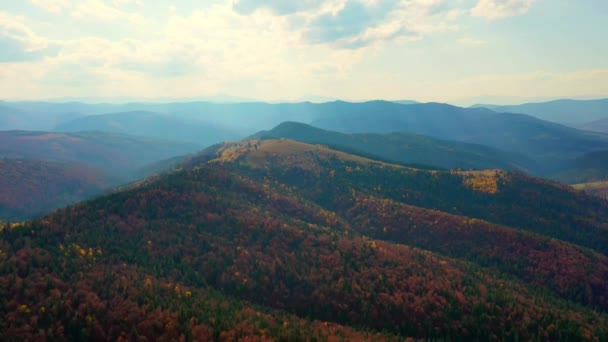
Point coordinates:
pixel 568 112
pixel 405 148
pixel 150 124
pixel 42 171
pixel 280 239
pixel 600 125
pixel 125 142
pixel 203 123
pixel 116 154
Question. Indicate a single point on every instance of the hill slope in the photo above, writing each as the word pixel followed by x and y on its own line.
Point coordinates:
pixel 115 154
pixel 600 125
pixel 31 187
pixel 549 143
pixel 405 148
pixel 599 189
pixel 305 231
pixel 590 167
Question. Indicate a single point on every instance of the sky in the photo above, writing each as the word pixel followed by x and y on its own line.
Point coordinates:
pixel 456 51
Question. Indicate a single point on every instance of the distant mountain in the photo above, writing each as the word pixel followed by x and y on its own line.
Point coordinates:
pixel 150 124
pixel 549 143
pixel 13 118
pixel 600 125
pixel 54 108
pixel 116 154
pixel 406 102
pixel 283 240
pixel 567 112
pixel 590 167
pixel 314 99
pixel 42 171
pixel 405 148
pixel 247 118
pixel 219 98
pixel 241 117
pixel 498 100
pixel 481 105
pixel 29 188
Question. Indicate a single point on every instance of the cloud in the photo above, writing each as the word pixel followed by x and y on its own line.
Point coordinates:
pixel 98 10
pixel 538 83
pixel 361 23
pixel 121 3
pixel 471 41
pixel 19 42
pixel 53 6
pixel 497 9
pixel 280 7
pixel 354 24
pixel 268 52
pixel 353 19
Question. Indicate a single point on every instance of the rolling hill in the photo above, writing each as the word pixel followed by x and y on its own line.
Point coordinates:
pixel 29 188
pixel 553 146
pixel 42 171
pixel 244 118
pixel 590 167
pixel 150 124
pixel 405 148
pixel 567 112
pixel 16 118
pixel 115 154
pixel 600 125
pixel 279 239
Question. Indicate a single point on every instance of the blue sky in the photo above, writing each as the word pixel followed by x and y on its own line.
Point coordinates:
pixel 459 51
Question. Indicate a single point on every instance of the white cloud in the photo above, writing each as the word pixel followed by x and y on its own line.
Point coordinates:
pixel 538 84
pixel 280 7
pixel 360 23
pixel 454 14
pixel 98 10
pixel 121 3
pixel 18 41
pixel 266 53
pixel 53 6
pixel 471 41
pixel 497 9
pixel 204 52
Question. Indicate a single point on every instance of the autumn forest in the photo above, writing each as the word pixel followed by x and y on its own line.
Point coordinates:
pixel 278 239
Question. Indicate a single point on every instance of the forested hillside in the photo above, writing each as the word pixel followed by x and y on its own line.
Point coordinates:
pixel 287 240
pixel 407 148
pixel 29 188
pixel 116 154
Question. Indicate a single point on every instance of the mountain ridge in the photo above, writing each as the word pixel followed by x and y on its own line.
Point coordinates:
pixel 314 233
pixel 404 148
pixel 565 111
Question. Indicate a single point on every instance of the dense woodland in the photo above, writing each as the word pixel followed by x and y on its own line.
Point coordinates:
pixel 33 187
pixel 599 189
pixel 283 240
